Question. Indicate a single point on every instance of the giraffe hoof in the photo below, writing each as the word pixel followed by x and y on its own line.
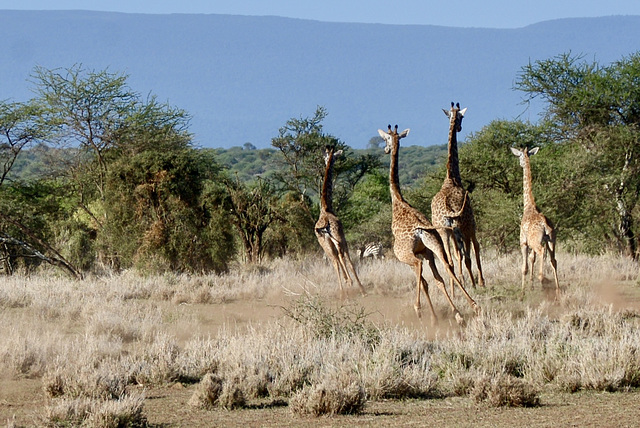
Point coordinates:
pixel 459 319
pixel 417 309
pixel 478 309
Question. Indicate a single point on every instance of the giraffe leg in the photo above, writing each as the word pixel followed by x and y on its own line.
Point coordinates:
pixel 425 287
pixel 349 264
pixel 532 262
pixel 542 257
pixel 418 271
pixel 439 253
pixel 440 283
pixel 445 235
pixel 476 250
pixel 333 254
pixel 554 265
pixel 525 266
pixel 467 260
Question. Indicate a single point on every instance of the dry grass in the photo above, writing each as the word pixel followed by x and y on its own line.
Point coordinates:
pixel 94 342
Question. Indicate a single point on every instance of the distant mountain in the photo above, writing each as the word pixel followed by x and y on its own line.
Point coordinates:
pixel 242 78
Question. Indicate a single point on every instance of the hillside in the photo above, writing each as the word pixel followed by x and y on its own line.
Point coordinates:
pixel 242 78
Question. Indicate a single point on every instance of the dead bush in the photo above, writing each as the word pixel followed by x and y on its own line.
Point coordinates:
pixel 214 391
pixel 335 395
pixel 505 391
pixel 124 412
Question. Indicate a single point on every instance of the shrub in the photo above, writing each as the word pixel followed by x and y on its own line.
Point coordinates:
pixel 207 392
pixel 505 391
pixel 336 394
pixel 345 322
pixel 124 412
pixel 214 391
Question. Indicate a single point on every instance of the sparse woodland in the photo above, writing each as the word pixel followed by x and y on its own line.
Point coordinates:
pixel 118 236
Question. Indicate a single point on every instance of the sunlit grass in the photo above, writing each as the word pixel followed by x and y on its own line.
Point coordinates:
pixel 105 338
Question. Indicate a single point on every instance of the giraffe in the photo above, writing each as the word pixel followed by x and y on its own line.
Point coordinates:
pixel 415 238
pixel 328 228
pixel 536 231
pixel 451 197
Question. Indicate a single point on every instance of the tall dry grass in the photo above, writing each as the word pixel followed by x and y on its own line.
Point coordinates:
pixel 103 340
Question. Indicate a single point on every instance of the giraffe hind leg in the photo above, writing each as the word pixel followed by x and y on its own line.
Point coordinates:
pixel 346 263
pixel 440 283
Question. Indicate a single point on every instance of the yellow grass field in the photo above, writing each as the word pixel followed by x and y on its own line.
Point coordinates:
pixel 286 350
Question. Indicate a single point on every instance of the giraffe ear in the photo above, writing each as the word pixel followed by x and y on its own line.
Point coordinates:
pixel 337 153
pixel 382 134
pixel 446 112
pixel 463 111
pixel 515 151
pixel 403 133
pixel 533 151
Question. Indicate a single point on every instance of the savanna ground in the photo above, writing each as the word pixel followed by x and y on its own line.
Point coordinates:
pixel 129 349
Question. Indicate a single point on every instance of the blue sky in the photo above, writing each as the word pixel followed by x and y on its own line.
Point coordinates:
pixel 459 13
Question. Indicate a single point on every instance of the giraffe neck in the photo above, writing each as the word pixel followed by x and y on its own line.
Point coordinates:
pixel 326 197
pixel 394 177
pixel 527 191
pixel 453 166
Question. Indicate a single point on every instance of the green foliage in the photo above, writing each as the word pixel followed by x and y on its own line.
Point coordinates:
pixel 346 322
pixel 301 143
pixel 598 108
pixel 253 209
pixel 162 213
pixel 367 214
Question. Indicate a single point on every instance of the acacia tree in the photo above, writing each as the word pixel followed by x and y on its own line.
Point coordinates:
pixel 142 192
pixel 301 143
pixel 23 234
pixel 253 210
pixel 597 107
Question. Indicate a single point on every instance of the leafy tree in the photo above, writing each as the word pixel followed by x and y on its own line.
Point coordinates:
pixel 144 195
pixel 597 107
pixel 26 209
pixel 301 143
pixel 164 214
pixel 253 210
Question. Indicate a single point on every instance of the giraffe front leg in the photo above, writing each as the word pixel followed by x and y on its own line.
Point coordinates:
pixel 349 264
pixel 532 262
pixel 554 266
pixel 476 250
pixel 525 266
pixel 541 269
pixel 417 268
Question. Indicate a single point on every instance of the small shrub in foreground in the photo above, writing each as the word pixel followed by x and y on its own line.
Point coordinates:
pixel 505 391
pixel 215 391
pixel 330 397
pixel 125 412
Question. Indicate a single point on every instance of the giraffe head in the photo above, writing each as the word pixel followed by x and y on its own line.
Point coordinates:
pixel 392 138
pixel 330 153
pixel 524 154
pixel 455 116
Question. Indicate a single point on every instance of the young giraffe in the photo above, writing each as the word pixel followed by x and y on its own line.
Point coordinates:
pixel 329 230
pixel 536 231
pixel 415 238
pixel 451 197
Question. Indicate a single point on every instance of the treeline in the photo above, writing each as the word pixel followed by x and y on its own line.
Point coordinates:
pixel 93 176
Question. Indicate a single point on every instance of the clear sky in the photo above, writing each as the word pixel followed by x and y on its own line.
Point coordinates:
pixel 457 13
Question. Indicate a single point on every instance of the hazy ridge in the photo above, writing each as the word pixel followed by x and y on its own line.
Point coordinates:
pixel 242 77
